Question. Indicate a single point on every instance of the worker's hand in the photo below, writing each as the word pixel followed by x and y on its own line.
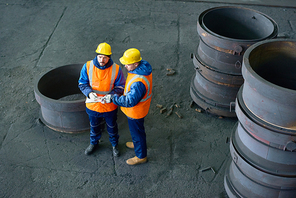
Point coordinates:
pixel 106 99
pixel 93 96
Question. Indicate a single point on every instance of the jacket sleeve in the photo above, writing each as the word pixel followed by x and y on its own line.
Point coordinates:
pixel 133 97
pixel 83 82
pixel 119 83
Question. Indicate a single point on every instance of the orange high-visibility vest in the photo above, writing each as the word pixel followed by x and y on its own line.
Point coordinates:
pixel 101 82
pixel 141 109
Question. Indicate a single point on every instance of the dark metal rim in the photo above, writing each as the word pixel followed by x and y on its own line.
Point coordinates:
pixel 278 140
pixel 223 54
pixel 229 187
pixel 198 61
pixel 211 108
pixel 242 184
pixel 246 68
pixel 205 99
pixel 245 167
pixel 272 35
pixel 50 100
pixel 61 129
pixel 214 110
pixel 257 160
pixel 258 121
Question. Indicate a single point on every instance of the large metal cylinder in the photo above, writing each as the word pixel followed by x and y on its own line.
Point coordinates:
pixel 62 105
pixel 225 34
pixel 270 82
pixel 263 144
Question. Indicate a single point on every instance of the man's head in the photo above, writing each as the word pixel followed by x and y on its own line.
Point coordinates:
pixel 131 59
pixel 103 53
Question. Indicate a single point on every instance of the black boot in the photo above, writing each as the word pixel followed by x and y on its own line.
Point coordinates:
pixel 116 151
pixel 90 149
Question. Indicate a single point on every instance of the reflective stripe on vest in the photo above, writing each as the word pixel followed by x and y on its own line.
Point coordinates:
pixel 149 91
pixel 90 75
pixel 141 109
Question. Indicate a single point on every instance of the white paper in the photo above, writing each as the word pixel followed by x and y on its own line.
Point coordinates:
pixel 88 100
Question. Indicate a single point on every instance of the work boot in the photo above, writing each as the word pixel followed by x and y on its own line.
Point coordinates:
pixel 116 151
pixel 130 145
pixel 135 160
pixel 90 149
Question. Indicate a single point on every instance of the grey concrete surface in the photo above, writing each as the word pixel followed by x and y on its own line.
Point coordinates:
pixel 276 3
pixel 37 36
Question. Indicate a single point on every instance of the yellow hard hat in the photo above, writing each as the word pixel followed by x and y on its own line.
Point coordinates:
pixel 130 56
pixel 104 48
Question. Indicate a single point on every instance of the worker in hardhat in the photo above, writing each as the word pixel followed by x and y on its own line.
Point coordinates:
pixel 135 101
pixel 99 77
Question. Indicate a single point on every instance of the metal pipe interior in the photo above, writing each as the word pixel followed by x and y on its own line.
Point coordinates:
pixel 238 23
pixel 276 63
pixel 60 82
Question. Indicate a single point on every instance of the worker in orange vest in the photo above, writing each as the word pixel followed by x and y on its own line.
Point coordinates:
pixel 99 77
pixel 135 101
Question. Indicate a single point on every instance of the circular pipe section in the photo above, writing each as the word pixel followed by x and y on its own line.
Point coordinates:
pixel 269 89
pixel 262 155
pixel 257 170
pixel 273 136
pixel 216 76
pixel 62 105
pixel 234 29
pixel 219 61
pixel 237 184
pixel 225 34
pixel 209 100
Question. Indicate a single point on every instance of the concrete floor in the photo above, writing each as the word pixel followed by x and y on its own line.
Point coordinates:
pixel 276 3
pixel 37 36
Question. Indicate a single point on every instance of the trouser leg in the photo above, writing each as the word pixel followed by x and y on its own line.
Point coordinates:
pixel 138 134
pixel 96 128
pixel 112 128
